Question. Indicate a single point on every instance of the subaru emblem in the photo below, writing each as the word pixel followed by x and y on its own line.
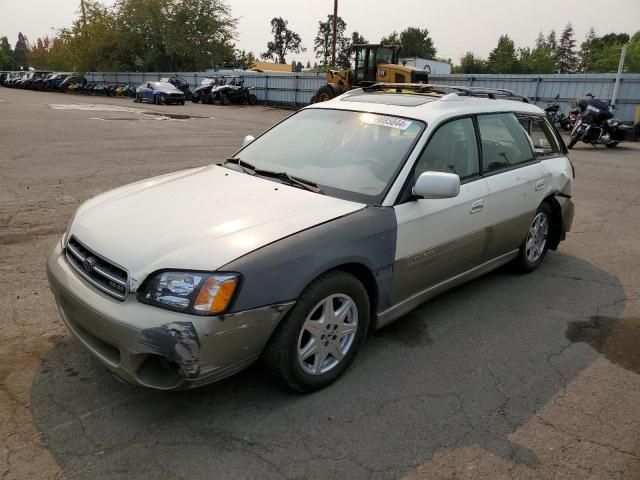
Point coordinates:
pixel 89 263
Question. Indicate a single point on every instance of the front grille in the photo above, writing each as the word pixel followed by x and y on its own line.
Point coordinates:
pixel 98 271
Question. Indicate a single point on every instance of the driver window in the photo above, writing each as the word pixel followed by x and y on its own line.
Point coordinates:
pixel 452 148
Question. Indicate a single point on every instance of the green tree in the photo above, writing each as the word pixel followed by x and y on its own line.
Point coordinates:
pixel 6 55
pixel 503 58
pixel 565 52
pixel 284 41
pixel 470 63
pixel 587 52
pixel 199 34
pixel 245 60
pixel 416 42
pixel 392 39
pixel 323 43
pixel 632 61
pixel 541 60
pixel 20 51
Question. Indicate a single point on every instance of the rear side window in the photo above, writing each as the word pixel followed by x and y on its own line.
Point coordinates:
pixel 544 141
pixel 504 141
pixel 452 148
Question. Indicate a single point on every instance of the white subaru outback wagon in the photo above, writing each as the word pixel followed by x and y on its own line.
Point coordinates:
pixel 338 220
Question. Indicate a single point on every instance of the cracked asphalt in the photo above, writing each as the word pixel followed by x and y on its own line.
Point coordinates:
pixel 506 377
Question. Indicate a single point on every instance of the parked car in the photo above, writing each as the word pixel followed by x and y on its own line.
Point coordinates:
pixel 159 93
pixel 340 219
pixel 181 84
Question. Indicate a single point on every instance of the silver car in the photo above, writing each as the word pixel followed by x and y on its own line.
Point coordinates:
pixel 340 219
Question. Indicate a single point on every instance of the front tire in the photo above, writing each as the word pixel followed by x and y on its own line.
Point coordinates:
pixel 252 99
pixel 536 244
pixel 574 140
pixel 318 339
pixel 324 94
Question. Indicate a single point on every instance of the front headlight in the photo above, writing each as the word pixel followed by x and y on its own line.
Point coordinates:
pixel 198 293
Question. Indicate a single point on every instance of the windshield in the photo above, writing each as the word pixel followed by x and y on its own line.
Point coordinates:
pixel 163 85
pixel 351 155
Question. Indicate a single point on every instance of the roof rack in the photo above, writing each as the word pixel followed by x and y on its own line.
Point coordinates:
pixel 441 90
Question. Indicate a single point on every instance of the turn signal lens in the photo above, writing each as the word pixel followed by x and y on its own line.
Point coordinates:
pixel 216 293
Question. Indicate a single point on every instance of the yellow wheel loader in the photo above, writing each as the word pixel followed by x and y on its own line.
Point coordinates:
pixel 373 64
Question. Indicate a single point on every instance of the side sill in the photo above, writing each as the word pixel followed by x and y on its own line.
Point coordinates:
pixel 400 309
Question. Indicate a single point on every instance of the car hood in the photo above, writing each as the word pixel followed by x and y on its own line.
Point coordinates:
pixel 167 90
pixel 199 219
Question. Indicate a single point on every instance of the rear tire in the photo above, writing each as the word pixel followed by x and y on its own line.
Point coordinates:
pixel 318 339
pixel 224 99
pixel 252 99
pixel 612 145
pixel 195 98
pixel 536 244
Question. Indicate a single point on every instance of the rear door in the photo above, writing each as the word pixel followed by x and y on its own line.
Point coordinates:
pixel 440 238
pixel 516 180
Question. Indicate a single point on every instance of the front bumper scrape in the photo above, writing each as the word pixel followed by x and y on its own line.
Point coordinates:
pixel 153 347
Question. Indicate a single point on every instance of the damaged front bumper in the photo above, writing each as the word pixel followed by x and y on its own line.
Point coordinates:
pixel 157 348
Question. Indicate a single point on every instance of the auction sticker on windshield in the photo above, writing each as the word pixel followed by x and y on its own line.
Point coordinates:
pixel 386 121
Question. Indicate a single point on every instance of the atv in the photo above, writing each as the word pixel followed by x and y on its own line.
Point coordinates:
pixel 202 92
pixel 234 91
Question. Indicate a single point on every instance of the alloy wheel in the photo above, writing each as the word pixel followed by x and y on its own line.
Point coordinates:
pixel 327 334
pixel 536 241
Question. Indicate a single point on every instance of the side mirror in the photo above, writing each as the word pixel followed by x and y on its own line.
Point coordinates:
pixel 437 185
pixel 247 140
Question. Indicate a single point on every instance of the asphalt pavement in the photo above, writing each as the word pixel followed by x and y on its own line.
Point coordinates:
pixel 509 376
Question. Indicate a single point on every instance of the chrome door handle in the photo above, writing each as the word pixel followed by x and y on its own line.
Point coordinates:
pixel 477 206
pixel 540 184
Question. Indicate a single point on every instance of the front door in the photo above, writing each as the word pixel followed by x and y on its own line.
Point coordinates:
pixel 441 238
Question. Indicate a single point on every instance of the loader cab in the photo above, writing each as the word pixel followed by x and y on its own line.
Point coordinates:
pixel 367 59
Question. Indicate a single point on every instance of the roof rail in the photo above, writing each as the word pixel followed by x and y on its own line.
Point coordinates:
pixel 437 90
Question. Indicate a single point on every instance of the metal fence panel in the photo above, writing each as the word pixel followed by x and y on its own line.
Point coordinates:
pixel 296 89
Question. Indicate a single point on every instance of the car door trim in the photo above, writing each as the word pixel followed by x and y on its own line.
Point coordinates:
pixel 405 306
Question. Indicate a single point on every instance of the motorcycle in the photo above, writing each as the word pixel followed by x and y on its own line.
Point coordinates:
pixel 556 116
pixel 595 124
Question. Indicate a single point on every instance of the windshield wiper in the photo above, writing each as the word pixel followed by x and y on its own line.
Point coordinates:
pixel 245 166
pixel 293 181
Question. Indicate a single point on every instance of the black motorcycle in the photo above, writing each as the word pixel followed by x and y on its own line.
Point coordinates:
pixel 595 124
pixel 556 116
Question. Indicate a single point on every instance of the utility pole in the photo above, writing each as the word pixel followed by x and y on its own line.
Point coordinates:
pixel 616 87
pixel 84 15
pixel 335 31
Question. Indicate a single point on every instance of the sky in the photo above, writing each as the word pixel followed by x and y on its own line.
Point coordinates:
pixel 456 26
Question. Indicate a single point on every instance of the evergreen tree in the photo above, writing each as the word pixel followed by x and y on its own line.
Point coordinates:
pixel 567 58
pixel 6 55
pixel 20 51
pixel 503 58
pixel 587 51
